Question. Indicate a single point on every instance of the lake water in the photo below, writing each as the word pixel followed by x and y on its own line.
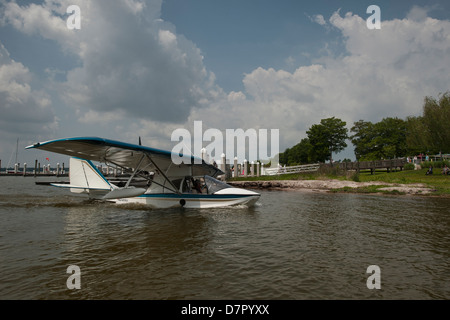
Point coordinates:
pixel 293 245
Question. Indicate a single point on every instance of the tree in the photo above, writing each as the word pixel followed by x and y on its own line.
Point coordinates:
pixel 417 135
pixel 327 137
pixel 383 140
pixel 298 154
pixel 390 139
pixel 431 131
pixel 364 134
pixel 436 117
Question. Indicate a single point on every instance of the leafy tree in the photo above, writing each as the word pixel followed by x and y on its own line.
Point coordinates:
pixel 362 139
pixel 283 157
pixel 327 137
pixel 431 131
pixel 436 117
pixel 383 140
pixel 417 135
pixel 390 139
pixel 298 154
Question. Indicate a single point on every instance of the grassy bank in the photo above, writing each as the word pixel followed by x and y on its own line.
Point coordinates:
pixel 367 189
pixel 438 182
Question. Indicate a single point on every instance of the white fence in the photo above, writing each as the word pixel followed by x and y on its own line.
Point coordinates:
pixel 293 169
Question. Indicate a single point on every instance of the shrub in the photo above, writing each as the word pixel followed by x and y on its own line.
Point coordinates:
pixel 409 166
pixel 355 176
pixel 326 169
pixel 435 164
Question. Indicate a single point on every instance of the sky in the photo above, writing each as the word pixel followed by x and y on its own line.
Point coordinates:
pixel 144 68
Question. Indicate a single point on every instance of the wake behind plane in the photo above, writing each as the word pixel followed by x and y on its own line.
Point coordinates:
pixel 154 179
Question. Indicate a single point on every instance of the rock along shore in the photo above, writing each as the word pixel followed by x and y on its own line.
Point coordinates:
pixel 328 185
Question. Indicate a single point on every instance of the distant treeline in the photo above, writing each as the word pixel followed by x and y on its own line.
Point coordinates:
pixel 390 138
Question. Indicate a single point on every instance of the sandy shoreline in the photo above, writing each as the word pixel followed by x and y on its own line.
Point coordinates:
pixel 329 185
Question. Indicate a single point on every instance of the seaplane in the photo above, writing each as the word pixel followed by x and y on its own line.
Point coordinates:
pixel 152 177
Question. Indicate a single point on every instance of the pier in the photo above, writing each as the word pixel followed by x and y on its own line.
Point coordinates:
pixel 53 171
pixel 25 170
pixel 389 165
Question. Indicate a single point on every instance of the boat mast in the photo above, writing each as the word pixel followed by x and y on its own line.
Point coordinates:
pixel 12 153
pixel 17 149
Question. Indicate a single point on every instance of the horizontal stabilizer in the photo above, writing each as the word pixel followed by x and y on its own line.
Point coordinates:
pixel 124 193
pixel 71 186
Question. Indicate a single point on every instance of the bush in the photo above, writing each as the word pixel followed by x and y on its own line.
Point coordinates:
pixel 435 164
pixel 409 166
pixel 328 170
pixel 355 176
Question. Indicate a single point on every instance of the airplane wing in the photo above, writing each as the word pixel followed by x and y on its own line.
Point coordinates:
pixel 126 155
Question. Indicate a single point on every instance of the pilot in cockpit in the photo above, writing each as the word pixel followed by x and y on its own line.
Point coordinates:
pixel 197 186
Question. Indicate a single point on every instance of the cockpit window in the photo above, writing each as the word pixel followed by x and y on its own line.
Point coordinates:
pixel 214 185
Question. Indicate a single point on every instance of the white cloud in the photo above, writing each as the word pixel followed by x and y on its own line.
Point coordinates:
pixel 168 40
pixel 236 96
pixel 136 71
pixel 23 109
pixel 385 73
pixel 25 112
pixel 46 20
pixel 319 19
pixel 132 62
pixel 135 6
pixel 417 13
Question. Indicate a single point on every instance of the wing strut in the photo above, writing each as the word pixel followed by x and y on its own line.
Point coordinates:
pixel 163 174
pixel 134 172
pixel 137 173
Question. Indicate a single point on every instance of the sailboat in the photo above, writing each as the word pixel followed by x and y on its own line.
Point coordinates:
pixel 9 169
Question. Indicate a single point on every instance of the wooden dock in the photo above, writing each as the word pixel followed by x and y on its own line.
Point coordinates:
pixel 31 174
pixel 389 165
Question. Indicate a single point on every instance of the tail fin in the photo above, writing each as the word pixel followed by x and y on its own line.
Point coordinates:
pixel 85 177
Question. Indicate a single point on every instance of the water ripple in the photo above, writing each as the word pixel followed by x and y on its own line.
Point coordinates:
pixel 292 245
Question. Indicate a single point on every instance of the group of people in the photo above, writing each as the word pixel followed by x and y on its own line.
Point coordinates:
pixel 420 158
pixel 445 170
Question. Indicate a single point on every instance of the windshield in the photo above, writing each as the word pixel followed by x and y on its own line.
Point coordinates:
pixel 214 185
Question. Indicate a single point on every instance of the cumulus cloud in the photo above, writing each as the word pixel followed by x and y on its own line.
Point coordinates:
pixel 384 73
pixel 418 13
pixel 46 20
pixel 319 19
pixel 132 62
pixel 24 110
pixel 133 65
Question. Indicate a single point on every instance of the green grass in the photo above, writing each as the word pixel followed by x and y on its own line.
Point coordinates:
pixel 437 181
pixel 367 189
pixel 290 176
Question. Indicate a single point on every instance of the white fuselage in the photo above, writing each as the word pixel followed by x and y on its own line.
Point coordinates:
pixel 156 191
pixel 222 198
